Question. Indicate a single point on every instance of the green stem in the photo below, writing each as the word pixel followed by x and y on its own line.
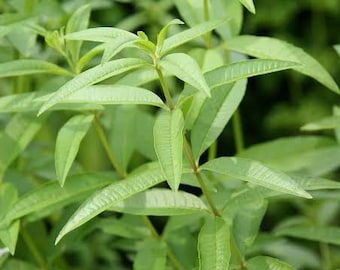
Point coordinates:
pixel 105 143
pixel 32 248
pixel 238 134
pixel 326 256
pixel 236 251
pixel 212 151
pixel 165 88
pixel 199 178
pixel 207 18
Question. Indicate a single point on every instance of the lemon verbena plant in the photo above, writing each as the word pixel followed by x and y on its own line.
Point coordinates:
pixel 109 147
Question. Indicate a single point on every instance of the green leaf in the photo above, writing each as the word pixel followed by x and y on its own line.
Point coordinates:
pixel 291 154
pixel 67 144
pixel 331 122
pixel 51 195
pixel 271 48
pixel 267 263
pixel 168 140
pixel 337 48
pixel 162 35
pixel 215 114
pixel 121 127
pixel 248 4
pixel 100 34
pixel 139 77
pixel 187 35
pixel 247 221
pixel 326 234
pixel 8 197
pixel 92 76
pixel 245 69
pixel 186 69
pixel 115 46
pixel 256 173
pixel 213 245
pixel 114 94
pixel 28 67
pixel 151 255
pixel 78 21
pixel 161 202
pixel 315 183
pixel 16 136
pixel 112 194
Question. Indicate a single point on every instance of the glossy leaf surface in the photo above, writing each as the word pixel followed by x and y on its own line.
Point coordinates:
pixel 168 141
pixel 67 144
pixel 256 173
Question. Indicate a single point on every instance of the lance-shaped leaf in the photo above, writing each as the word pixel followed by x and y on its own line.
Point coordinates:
pixel 162 34
pixel 68 142
pixel 115 46
pixel 326 234
pixel 51 195
pixel 271 48
pixel 8 197
pixel 214 115
pixel 315 183
pixel 78 21
pixel 256 173
pixel 161 202
pixel 114 94
pixel 248 4
pixel 213 245
pixel 92 76
pixel 17 135
pixel 30 66
pixel 107 197
pixel 245 69
pixel 331 122
pixel 168 141
pixel 100 34
pixel 185 36
pixel 186 69
pixel 267 263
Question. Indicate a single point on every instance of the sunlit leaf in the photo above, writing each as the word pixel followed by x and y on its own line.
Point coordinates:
pixel 185 36
pixel 249 4
pixel 161 202
pixel 244 69
pixel 168 140
pixel 186 69
pixel 162 35
pixel 213 245
pixel 78 21
pixel 67 144
pixel 271 48
pixel 92 76
pixel 114 94
pixel 112 194
pixel 214 115
pixel 28 67
pixel 256 173
pixel 115 46
pixel 331 122
pixel 267 263
pixel 100 34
